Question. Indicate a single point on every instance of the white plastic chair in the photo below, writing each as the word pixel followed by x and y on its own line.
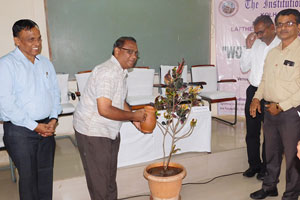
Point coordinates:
pixel 140 86
pixel 81 78
pixel 2 147
pixel 210 92
pixel 67 107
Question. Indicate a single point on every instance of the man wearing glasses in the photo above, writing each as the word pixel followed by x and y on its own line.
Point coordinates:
pixel 280 88
pixel 98 118
pixel 258 44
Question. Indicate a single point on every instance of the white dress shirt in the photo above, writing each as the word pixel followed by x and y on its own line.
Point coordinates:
pixel 253 59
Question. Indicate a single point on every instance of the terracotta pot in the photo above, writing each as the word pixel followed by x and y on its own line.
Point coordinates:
pixel 149 124
pixel 165 188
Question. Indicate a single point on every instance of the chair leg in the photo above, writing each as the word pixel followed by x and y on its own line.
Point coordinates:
pixel 12 170
pixel 228 122
pixel 209 105
pixel 74 142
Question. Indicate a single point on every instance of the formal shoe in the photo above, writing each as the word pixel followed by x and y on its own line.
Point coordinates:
pixel 261 175
pixel 251 172
pixel 261 194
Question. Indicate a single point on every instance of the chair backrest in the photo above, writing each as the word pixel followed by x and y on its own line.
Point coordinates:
pixel 81 78
pixel 206 73
pixel 142 67
pixel 140 82
pixel 165 68
pixel 63 86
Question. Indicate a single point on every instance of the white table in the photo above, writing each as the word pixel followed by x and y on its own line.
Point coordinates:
pixel 137 147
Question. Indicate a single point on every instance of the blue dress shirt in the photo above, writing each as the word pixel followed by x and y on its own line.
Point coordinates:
pixel 28 91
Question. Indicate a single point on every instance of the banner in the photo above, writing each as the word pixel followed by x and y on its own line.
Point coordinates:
pixel 233 22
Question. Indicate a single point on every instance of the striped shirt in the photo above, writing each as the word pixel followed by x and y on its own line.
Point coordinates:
pixel 107 80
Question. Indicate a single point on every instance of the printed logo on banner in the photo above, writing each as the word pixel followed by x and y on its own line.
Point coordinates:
pixel 228 8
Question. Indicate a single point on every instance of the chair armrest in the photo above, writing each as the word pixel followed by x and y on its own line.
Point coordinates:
pixel 160 85
pixel 226 80
pixel 77 94
pixel 201 83
pixel 86 71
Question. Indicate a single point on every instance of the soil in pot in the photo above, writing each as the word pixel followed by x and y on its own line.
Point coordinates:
pixel 160 172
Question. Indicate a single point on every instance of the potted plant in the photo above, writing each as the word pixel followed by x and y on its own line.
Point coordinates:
pixel 175 108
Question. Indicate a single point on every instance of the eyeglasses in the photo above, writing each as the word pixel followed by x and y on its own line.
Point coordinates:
pixel 130 51
pixel 286 24
pixel 260 33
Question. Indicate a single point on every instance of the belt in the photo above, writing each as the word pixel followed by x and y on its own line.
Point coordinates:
pixel 38 121
pixel 42 120
pixel 269 102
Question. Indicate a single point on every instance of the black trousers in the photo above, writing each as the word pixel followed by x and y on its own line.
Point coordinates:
pixel 33 156
pixel 253 126
pixel 99 157
pixel 282 133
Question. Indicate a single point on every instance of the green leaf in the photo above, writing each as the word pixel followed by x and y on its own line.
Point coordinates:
pixel 176 150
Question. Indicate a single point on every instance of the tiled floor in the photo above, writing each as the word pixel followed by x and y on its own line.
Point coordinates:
pixel 224 137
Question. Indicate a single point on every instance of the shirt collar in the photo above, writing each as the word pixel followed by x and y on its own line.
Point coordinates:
pixel 291 46
pixel 124 72
pixel 19 55
pixel 275 41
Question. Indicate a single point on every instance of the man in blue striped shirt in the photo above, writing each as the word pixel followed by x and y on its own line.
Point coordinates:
pixel 29 107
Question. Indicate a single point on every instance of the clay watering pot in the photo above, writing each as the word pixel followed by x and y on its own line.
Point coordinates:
pixel 149 124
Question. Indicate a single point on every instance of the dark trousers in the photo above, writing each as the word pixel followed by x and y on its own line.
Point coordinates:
pixel 99 157
pixel 282 133
pixel 33 156
pixel 253 126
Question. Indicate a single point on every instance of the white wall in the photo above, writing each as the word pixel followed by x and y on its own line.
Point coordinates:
pixel 13 10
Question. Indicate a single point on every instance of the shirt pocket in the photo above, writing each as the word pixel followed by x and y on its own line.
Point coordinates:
pixel 45 78
pixel 289 73
pixel 288 78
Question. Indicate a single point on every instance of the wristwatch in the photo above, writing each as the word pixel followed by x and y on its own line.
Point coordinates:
pixel 278 107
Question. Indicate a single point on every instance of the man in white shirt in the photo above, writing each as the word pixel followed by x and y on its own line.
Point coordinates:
pixel 98 118
pixel 258 44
